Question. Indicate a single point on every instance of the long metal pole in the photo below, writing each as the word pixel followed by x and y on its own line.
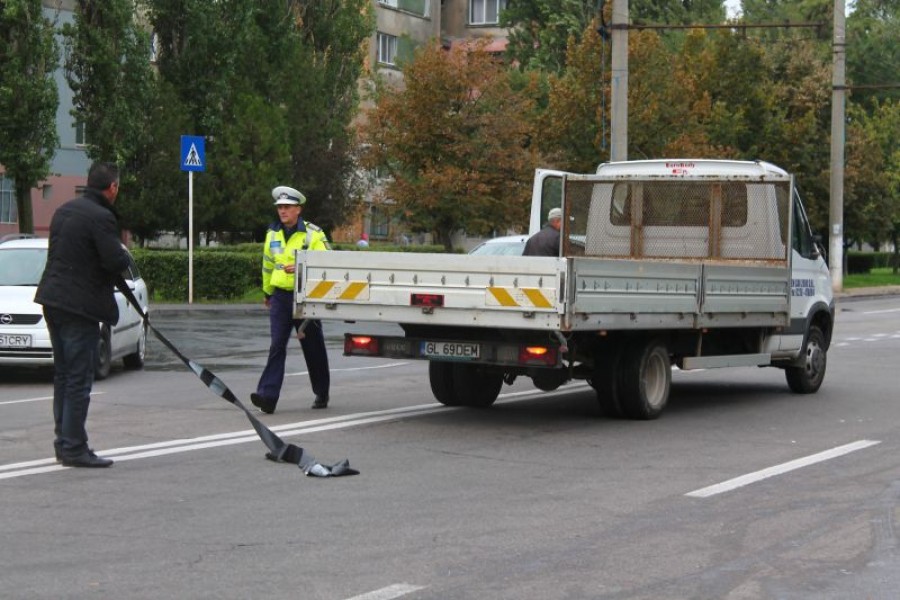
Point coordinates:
pixel 836 236
pixel 190 237
pixel 618 149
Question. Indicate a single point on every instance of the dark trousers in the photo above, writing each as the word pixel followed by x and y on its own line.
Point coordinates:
pixel 281 325
pixel 74 341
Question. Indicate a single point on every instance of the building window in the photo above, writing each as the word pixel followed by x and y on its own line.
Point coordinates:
pixel 8 211
pixel 485 12
pixel 80 134
pixel 387 48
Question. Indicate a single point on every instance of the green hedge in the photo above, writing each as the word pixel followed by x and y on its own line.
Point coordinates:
pixel 864 262
pixel 218 274
pixel 221 273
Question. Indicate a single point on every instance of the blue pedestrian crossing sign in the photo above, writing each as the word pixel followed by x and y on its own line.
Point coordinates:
pixel 193 153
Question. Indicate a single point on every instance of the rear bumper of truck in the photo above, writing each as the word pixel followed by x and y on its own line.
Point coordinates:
pixel 500 353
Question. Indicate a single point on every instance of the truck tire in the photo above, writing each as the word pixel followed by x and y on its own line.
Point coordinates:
pixel 807 377
pixel 135 360
pixel 606 382
pixel 440 375
pixel 476 386
pixel 104 355
pixel 646 379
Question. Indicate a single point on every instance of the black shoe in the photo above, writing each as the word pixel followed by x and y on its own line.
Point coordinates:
pixel 267 406
pixel 88 460
pixel 321 402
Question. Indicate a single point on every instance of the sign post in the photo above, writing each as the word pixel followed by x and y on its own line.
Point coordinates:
pixel 193 158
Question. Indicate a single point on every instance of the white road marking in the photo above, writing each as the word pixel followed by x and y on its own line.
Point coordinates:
pixel 48 465
pixel 878 312
pixel 389 592
pixel 5 402
pixel 732 484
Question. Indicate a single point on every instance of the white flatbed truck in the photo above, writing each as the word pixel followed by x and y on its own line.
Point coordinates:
pixel 689 262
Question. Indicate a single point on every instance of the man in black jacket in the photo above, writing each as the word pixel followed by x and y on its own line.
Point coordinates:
pixel 546 241
pixel 77 292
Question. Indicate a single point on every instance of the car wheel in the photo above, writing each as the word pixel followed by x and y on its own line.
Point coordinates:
pixel 104 356
pixel 135 360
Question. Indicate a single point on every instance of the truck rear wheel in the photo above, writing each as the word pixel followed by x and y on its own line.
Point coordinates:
pixel 476 386
pixel 605 381
pixel 646 379
pixel 440 375
pixel 807 377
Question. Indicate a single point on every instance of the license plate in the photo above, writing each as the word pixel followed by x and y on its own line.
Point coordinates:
pixel 11 340
pixel 451 350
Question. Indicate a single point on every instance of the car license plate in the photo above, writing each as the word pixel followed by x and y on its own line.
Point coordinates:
pixel 12 340
pixel 451 350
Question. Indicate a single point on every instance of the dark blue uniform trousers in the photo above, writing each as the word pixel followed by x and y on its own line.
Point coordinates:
pixel 281 325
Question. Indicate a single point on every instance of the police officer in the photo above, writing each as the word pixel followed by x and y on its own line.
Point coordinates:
pixel 289 234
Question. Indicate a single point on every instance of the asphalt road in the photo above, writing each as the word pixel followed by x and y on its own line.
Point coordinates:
pixel 741 490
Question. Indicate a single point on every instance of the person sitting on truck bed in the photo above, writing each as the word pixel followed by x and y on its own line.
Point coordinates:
pixel 546 241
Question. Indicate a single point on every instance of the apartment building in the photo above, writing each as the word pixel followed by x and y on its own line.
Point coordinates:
pixel 402 25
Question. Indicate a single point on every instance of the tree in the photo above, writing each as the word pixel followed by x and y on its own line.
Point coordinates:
pixel 28 99
pixel 272 87
pixel 455 144
pixel 871 193
pixel 539 30
pixel 114 90
pixel 873 50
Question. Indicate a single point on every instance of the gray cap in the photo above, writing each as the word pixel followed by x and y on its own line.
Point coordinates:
pixel 555 213
pixel 288 195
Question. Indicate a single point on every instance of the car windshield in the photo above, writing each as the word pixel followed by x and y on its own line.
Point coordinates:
pixel 22 266
pixel 514 248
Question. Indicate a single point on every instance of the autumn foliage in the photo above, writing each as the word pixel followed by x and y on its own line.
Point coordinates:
pixel 456 144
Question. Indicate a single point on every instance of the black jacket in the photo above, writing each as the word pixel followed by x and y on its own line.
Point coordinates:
pixel 85 257
pixel 544 243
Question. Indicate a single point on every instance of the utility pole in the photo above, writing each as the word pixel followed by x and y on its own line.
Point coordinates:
pixel 836 206
pixel 618 149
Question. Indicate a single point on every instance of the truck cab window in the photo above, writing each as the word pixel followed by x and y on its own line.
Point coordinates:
pixel 803 241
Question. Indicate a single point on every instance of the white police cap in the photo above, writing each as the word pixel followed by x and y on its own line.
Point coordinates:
pixel 555 213
pixel 288 195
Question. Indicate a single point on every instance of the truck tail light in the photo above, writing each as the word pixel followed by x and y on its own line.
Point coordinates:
pixel 537 355
pixel 426 300
pixel 361 345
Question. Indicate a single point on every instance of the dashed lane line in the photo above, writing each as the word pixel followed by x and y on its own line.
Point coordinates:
pixel 743 480
pixel 390 592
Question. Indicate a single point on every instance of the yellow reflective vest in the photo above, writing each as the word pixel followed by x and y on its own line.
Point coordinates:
pixel 279 252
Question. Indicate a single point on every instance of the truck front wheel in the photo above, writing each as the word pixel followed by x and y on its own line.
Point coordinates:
pixel 806 378
pixel 646 379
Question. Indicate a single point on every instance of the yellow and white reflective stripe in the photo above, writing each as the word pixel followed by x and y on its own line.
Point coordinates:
pixel 339 290
pixel 519 297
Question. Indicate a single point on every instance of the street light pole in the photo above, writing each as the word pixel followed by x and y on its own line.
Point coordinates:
pixel 836 206
pixel 618 149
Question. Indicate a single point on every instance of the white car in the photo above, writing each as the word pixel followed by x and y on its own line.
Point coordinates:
pixel 508 245
pixel 24 339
